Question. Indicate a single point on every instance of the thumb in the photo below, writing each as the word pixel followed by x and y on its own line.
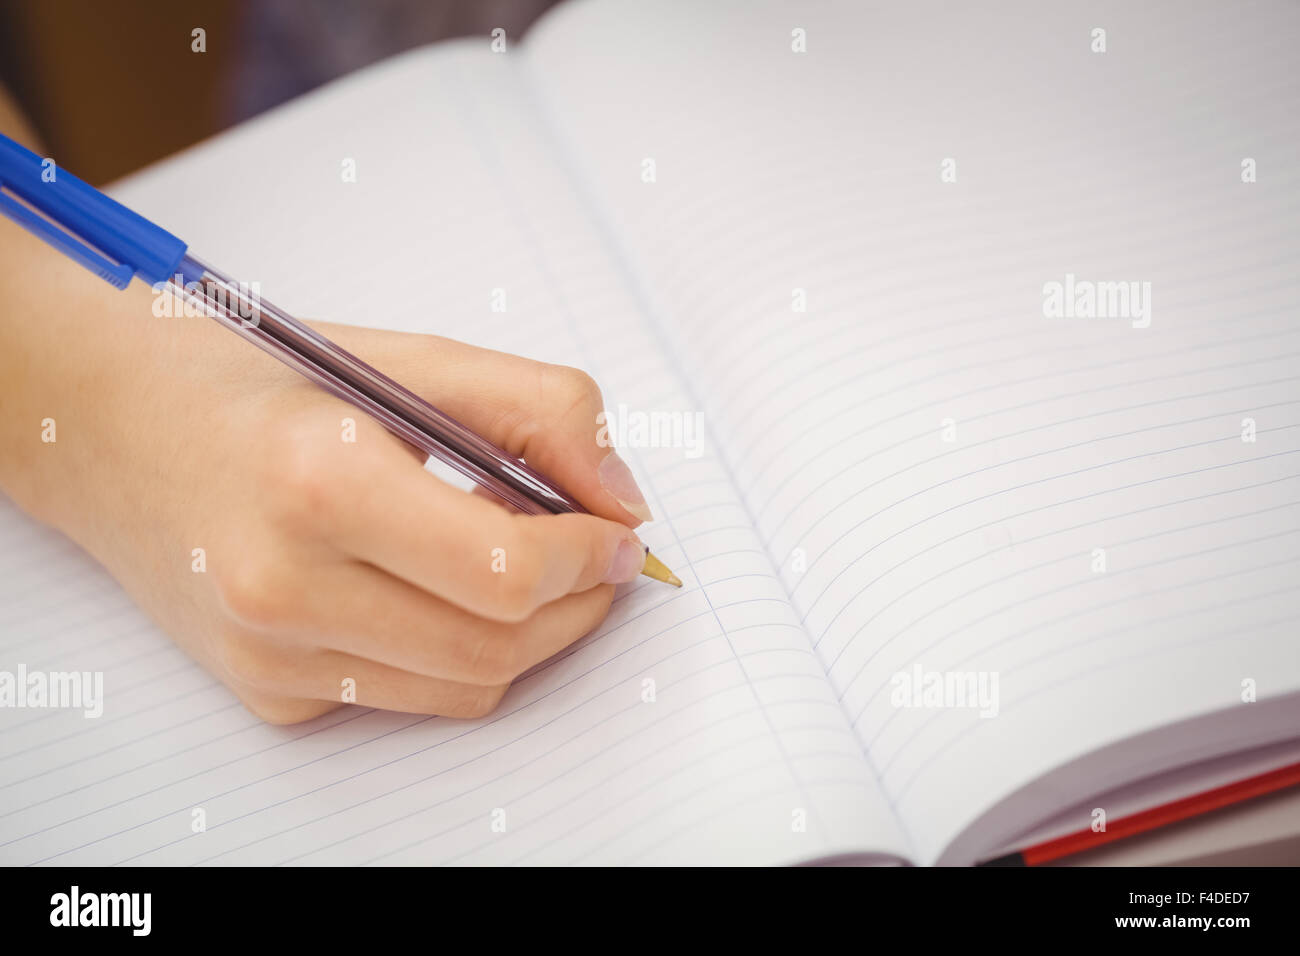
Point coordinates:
pixel 548 415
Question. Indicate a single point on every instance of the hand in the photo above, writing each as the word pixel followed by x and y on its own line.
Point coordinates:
pixel 220 489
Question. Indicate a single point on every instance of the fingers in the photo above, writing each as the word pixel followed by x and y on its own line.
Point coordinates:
pixel 286 684
pixel 464 549
pixel 362 611
pixel 364 579
pixel 545 414
pixel 277 709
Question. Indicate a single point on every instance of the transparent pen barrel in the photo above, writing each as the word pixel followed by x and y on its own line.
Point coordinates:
pixel 402 412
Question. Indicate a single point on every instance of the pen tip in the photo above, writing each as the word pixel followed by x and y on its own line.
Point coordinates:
pixel 654 568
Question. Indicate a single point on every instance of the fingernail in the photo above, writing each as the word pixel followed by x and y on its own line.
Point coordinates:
pixel 627 562
pixel 616 478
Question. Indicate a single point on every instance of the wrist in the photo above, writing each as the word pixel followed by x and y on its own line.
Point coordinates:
pixel 66 376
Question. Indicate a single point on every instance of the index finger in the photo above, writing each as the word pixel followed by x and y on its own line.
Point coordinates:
pixel 544 414
pixel 467 550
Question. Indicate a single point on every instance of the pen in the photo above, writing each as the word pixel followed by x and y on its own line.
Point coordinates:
pixel 118 245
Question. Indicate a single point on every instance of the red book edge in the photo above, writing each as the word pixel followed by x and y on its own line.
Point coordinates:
pixel 1159 816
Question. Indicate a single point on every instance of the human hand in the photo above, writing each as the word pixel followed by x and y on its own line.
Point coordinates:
pixel 220 489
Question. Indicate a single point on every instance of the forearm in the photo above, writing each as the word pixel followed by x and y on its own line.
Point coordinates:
pixel 62 333
pixel 58 323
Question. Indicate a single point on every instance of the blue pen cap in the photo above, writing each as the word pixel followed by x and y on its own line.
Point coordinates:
pixel 100 233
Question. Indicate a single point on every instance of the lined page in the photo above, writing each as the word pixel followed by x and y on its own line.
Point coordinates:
pixel 851 246
pixel 693 726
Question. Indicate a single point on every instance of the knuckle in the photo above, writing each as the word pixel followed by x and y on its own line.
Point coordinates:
pixel 250 661
pixel 494 660
pixel 303 478
pixel 470 703
pixel 516 592
pixel 574 387
pixel 256 594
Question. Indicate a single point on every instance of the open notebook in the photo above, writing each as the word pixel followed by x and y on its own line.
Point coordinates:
pixel 910 464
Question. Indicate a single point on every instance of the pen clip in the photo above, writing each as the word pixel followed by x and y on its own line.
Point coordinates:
pixel 117 274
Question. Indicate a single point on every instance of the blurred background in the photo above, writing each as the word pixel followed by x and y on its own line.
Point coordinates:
pixel 112 85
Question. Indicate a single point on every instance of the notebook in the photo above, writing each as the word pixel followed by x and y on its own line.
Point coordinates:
pixel 993 520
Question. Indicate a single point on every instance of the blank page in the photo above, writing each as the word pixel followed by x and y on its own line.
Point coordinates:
pixel 851 249
pixel 737 751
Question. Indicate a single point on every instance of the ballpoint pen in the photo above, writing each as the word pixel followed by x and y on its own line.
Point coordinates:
pixel 118 245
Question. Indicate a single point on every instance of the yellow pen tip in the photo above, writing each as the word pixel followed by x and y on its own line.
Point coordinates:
pixel 654 568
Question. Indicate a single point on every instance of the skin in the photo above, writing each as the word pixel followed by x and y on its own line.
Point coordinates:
pixel 325 559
